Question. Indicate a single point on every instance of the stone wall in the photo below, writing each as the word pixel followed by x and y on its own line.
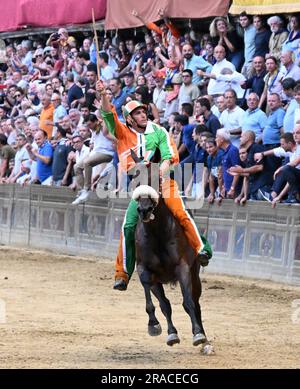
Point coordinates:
pixel 255 241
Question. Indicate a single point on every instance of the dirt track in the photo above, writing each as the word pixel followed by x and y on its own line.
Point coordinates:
pixel 63 313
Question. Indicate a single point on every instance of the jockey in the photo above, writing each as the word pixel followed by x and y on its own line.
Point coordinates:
pixel 144 137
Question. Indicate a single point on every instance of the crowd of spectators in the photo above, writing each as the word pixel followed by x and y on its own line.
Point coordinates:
pixel 230 98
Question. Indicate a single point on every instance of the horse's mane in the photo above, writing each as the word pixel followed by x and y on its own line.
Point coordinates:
pixel 145 191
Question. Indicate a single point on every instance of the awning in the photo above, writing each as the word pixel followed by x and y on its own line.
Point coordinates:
pixel 118 14
pixel 17 14
pixel 264 7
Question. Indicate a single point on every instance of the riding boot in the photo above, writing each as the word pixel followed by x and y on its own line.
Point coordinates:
pixel 125 262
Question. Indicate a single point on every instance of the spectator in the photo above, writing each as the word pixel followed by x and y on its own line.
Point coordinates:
pixel 274 125
pixel 43 156
pixel 61 169
pixel 245 21
pixel 209 53
pixel 75 94
pixel 119 96
pixel 188 92
pixel 7 154
pixel 187 147
pixel 293 40
pixel 277 38
pixel 21 155
pixel 10 131
pixel 285 175
pixel 260 179
pixel 229 79
pixel 103 151
pixel 194 63
pixel 198 156
pixel 214 88
pixel 262 37
pixel 291 104
pixel 46 117
pixel 129 83
pixel 90 88
pixel 231 186
pixel 107 72
pixel 297 110
pixel 159 97
pixel 81 153
pixel 219 107
pixel 289 68
pixel 142 94
pixel 232 118
pixel 272 80
pixel 254 119
pixel 210 120
pixel 214 167
pixel 223 34
pixel 85 133
pixel 75 118
pixel 59 110
pixel 256 83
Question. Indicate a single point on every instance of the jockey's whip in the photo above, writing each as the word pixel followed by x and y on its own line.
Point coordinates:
pixel 97 45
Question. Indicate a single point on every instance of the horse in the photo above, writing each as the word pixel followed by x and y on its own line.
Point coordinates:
pixel 163 255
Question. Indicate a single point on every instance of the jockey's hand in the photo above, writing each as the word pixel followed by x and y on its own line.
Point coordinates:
pixel 164 169
pixel 100 88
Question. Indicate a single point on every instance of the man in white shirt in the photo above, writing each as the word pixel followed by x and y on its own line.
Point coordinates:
pixel 232 118
pixel 107 72
pixel 214 88
pixel 103 151
pixel 82 151
pixel 289 69
pixel 159 96
pixel 229 79
pixel 21 155
pixel 287 177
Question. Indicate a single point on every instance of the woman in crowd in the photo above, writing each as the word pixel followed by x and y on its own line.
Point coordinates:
pixel 223 34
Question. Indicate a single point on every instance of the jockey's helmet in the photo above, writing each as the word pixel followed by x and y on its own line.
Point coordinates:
pixel 131 106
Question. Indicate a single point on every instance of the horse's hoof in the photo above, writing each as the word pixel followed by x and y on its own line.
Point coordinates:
pixel 208 349
pixel 198 339
pixel 172 339
pixel 154 330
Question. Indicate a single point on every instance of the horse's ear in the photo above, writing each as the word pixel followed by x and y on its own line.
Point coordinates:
pixel 135 157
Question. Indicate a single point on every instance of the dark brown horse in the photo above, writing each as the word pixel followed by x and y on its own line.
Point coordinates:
pixel 163 255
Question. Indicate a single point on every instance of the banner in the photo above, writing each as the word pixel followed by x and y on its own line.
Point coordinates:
pixel 17 14
pixel 119 12
pixel 263 7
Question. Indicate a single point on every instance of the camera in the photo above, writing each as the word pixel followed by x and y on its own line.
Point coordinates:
pixel 55 36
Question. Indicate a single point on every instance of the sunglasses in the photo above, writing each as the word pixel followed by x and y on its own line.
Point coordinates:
pixel 18 95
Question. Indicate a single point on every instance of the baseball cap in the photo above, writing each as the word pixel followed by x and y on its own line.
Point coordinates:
pixel 129 74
